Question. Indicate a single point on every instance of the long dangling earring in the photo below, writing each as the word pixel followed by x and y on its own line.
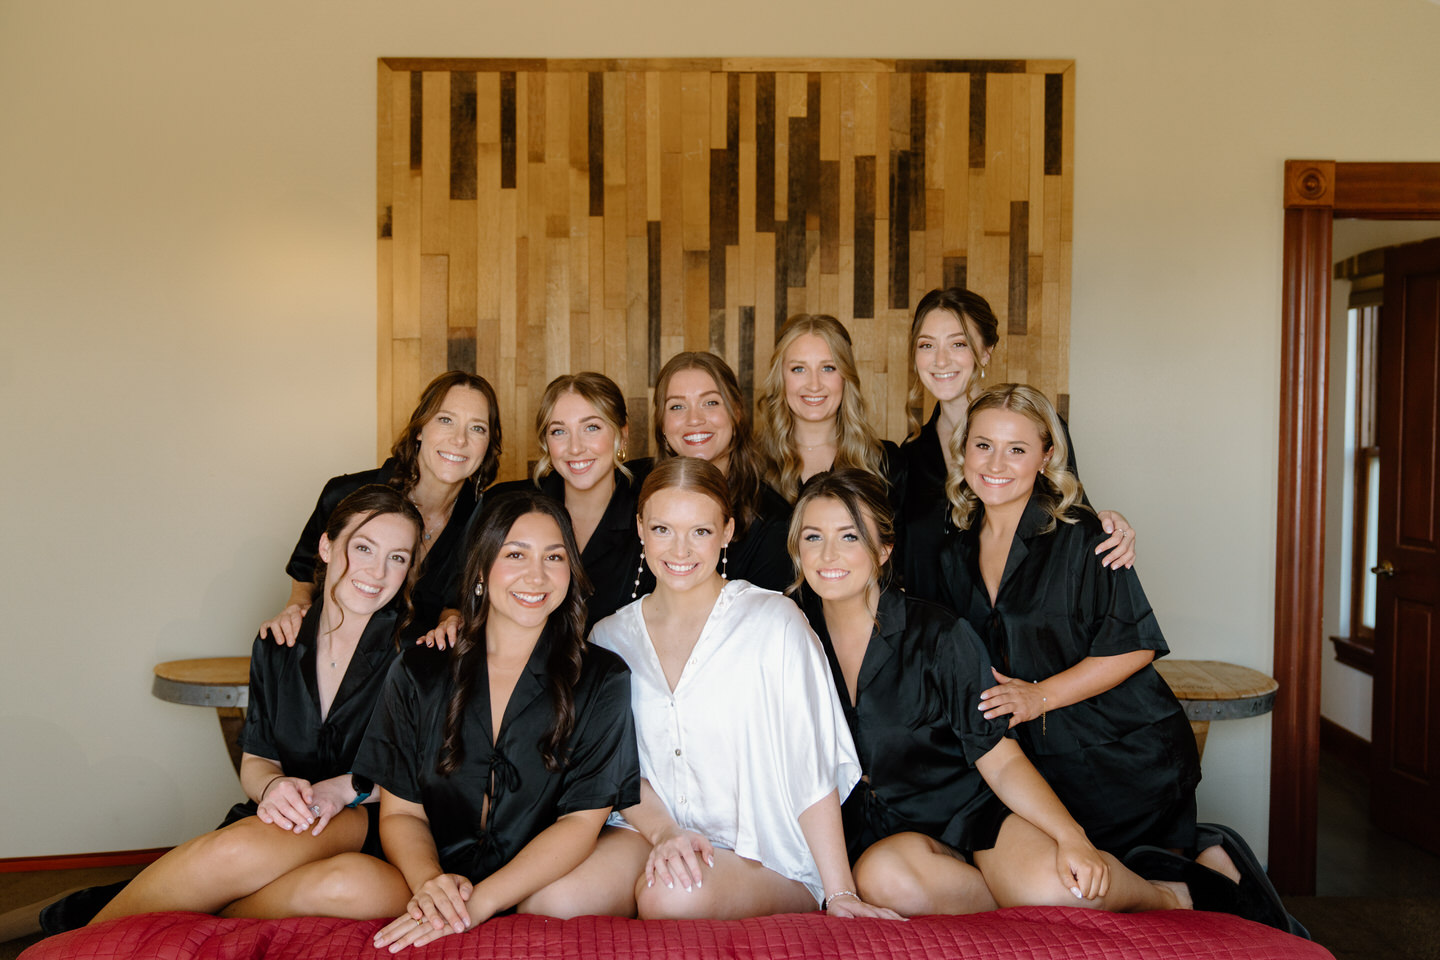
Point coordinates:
pixel 725 562
pixel 638 571
pixel 982 371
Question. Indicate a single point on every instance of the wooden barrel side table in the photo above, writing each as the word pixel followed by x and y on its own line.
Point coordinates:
pixel 219 682
pixel 1213 690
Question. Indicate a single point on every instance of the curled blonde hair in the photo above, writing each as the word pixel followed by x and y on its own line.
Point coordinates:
pixel 978 321
pixel 595 389
pixel 856 442
pixel 1059 489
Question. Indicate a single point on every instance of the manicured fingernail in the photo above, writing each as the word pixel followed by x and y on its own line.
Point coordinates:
pixel 669 884
pixel 699 883
pixel 1078 894
pixel 710 860
pixel 459 927
pixel 650 882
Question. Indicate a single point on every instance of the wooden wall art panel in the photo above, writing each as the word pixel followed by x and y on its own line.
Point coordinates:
pixel 538 217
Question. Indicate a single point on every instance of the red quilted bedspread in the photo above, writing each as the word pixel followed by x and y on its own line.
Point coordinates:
pixel 1021 933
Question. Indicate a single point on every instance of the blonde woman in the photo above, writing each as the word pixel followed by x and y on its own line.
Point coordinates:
pixel 812 415
pixel 952 341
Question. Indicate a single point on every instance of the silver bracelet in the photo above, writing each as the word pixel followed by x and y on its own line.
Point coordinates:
pixel 838 893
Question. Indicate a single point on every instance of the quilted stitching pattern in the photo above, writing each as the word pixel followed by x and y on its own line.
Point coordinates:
pixel 1022 933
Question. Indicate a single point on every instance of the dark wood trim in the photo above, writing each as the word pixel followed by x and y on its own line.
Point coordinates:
pixel 1354 652
pixel 80 861
pixel 1315 192
pixel 1350 748
pixel 1300 535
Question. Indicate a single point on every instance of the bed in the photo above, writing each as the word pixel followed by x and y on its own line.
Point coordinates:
pixel 1020 933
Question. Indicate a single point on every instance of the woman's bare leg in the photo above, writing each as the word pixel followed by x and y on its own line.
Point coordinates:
pixel 604 883
pixel 209 872
pixel 914 875
pixel 353 885
pixel 733 889
pixel 1021 870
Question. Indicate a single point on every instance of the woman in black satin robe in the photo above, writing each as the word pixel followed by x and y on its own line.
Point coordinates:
pixel 951 341
pixel 931 827
pixel 1072 639
pixel 309 707
pixel 699 412
pixel 498 763
pixel 582 431
pixel 444 456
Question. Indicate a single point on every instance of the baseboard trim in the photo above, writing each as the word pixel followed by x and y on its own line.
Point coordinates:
pixel 81 861
pixel 1352 749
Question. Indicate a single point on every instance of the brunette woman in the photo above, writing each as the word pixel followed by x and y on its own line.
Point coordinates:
pixel 497 763
pixel 952 340
pixel 953 818
pixel 812 415
pixel 309 707
pixel 699 412
pixel 444 456
pixel 743 749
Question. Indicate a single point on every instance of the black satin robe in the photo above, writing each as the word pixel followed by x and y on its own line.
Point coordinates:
pixel 917 729
pixel 402 748
pixel 438 586
pixel 922 522
pixel 612 555
pixel 1124 761
pixel 282 721
pixel 762 554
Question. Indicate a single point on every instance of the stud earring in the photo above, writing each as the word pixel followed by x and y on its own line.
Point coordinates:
pixel 982 371
pixel 479 588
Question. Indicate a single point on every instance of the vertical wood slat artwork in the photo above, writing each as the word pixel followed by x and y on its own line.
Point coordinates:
pixel 537 217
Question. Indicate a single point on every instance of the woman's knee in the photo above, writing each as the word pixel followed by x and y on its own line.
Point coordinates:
pixel 889 874
pixel 660 902
pixel 350 885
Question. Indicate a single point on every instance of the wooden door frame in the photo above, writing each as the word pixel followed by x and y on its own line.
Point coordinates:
pixel 1315 193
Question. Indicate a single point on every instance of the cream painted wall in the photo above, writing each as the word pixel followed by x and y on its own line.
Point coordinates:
pixel 187 260
pixel 1346 693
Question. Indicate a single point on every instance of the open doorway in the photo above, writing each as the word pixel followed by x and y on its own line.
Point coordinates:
pixel 1349 843
pixel 1314 193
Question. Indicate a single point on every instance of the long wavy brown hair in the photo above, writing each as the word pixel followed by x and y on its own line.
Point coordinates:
pixel 564 631
pixel 406 449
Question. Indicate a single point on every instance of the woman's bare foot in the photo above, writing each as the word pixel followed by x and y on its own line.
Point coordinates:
pixel 1218 860
pixel 1178 892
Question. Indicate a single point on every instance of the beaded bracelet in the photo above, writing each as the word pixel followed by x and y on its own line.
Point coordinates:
pixel 838 893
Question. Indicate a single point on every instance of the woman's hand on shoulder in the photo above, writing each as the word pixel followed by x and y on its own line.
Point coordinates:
pixel 287 803
pixel 1119 549
pixel 1020 700
pixel 675 859
pixel 852 906
pixel 1083 871
pixel 285 625
pixel 437 909
pixel 446 632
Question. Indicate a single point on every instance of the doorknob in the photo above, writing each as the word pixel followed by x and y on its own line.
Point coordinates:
pixel 1385 569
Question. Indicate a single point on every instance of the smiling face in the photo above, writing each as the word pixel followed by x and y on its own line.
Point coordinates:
pixel 1003 453
pixel 377 554
pixel 530 576
pixel 696 421
pixel 683 532
pixel 943 358
pixel 814 386
pixel 454 440
pixel 835 557
pixel 581 442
